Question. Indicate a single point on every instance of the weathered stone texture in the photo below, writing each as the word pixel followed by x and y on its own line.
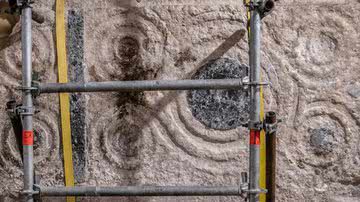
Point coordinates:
pixel 310 54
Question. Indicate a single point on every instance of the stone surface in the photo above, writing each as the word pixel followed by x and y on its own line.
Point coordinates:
pixel 220 109
pixel 310 54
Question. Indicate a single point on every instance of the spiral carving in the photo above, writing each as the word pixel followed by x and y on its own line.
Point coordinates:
pixel 131 46
pixel 43 57
pixel 121 140
pixel 46 142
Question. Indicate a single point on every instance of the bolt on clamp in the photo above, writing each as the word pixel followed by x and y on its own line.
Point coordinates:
pixel 265 7
pixel 24 111
pixel 255 125
pixel 255 191
pixel 23 88
pixel 29 192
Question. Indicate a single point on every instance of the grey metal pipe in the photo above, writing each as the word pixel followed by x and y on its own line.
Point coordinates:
pixel 142 191
pixel 27 102
pixel 254 161
pixel 128 86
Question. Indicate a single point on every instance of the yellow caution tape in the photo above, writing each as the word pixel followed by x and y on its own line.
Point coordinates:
pixel 64 97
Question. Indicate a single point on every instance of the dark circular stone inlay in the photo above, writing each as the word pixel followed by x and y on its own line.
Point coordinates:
pixel 220 109
pixel 322 139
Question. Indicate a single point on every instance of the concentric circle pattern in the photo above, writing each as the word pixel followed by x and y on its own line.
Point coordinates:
pixel 121 140
pixel 46 142
pixel 325 135
pixel 205 125
pixel 196 122
pixel 43 58
pixel 316 52
pixel 130 45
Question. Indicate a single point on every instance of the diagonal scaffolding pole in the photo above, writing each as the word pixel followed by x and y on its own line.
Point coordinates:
pixel 27 102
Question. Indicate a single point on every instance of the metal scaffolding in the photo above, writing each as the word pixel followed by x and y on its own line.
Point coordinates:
pixel 142 191
pixel 248 188
pixel 27 107
pixel 131 86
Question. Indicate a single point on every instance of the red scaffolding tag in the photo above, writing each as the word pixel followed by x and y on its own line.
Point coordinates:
pixel 28 137
pixel 254 137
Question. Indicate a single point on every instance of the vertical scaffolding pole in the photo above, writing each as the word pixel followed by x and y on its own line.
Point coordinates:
pixel 254 165
pixel 271 157
pixel 27 104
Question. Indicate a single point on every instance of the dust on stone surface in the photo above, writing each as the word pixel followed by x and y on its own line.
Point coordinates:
pixel 309 55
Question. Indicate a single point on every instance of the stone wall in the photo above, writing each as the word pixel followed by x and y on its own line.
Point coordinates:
pixel 310 54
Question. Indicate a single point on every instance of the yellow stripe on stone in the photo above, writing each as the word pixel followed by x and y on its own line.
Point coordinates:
pixel 64 97
pixel 262 149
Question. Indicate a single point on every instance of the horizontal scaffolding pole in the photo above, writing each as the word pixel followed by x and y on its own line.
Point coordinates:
pixel 129 86
pixel 141 191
